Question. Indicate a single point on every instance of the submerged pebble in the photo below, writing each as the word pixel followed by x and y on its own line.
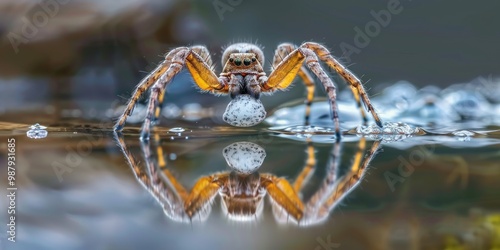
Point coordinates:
pixel 244 111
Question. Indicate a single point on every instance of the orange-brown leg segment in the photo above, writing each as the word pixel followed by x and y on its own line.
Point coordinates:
pixel 325 199
pixel 282 193
pixel 281 52
pixel 198 62
pixel 143 86
pixel 308 170
pixel 202 74
pixel 170 199
pixel 354 82
pixel 288 68
pixel 203 192
pixel 352 178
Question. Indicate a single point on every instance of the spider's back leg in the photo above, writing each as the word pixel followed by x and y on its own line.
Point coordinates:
pixel 143 86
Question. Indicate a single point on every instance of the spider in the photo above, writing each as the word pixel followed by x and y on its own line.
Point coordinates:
pixel 242 192
pixel 243 75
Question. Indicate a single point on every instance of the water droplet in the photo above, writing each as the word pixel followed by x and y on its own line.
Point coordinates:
pixel 37 131
pixel 177 130
pixel 463 135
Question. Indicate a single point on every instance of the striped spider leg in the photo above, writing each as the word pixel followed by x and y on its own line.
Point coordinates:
pixel 334 186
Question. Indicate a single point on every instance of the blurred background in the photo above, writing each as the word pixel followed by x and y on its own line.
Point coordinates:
pixel 88 55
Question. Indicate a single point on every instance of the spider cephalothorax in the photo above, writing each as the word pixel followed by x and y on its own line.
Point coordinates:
pixel 244 79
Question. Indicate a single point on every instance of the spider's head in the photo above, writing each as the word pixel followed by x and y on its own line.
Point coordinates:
pixel 243 62
pixel 242 196
pixel 242 55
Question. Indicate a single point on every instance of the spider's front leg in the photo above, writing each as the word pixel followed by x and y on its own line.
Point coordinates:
pixel 198 61
pixel 354 82
pixel 281 53
pixel 288 68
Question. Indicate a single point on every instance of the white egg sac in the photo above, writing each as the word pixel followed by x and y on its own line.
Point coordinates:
pixel 244 111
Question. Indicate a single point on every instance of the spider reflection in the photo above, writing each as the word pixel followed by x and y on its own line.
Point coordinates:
pixel 243 188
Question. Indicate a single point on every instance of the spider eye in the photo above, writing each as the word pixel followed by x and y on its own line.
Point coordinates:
pixel 253 59
pixel 246 61
pixel 231 59
pixel 237 62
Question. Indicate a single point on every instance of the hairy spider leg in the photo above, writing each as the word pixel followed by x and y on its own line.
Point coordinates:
pixel 202 192
pixel 143 86
pixel 308 169
pixel 281 52
pixel 287 69
pixel 331 192
pixel 354 82
pixel 170 200
pixel 202 75
pixel 196 59
pixel 283 195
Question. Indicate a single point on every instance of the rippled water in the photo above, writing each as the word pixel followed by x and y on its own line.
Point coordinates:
pixel 432 183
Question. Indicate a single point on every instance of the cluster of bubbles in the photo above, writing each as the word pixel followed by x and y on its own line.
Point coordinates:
pixel 392 131
pixel 409 109
pixel 476 101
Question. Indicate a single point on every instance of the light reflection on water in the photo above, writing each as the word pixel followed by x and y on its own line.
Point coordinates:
pixel 433 184
pixel 432 187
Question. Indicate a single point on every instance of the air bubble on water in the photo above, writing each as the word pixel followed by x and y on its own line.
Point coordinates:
pixel 307 129
pixel 463 135
pixel 177 130
pixel 172 156
pixel 37 131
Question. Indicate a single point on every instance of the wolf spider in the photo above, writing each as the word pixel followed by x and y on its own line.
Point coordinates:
pixel 243 74
pixel 242 193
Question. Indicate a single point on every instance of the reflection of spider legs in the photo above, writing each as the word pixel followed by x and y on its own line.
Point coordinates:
pixel 242 193
pixel 333 188
pixel 170 197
